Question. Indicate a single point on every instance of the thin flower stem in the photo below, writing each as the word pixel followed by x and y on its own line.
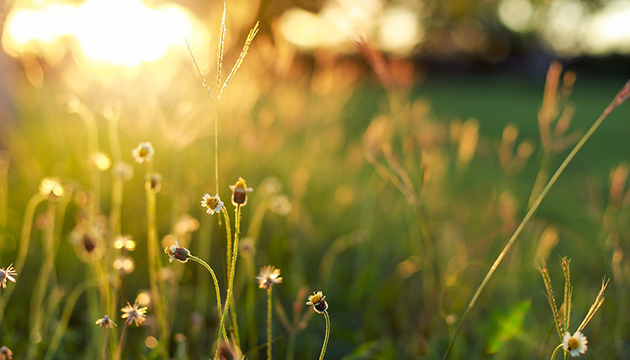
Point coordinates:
pixel 121 342
pixel 321 356
pixel 216 283
pixel 555 351
pixel 105 344
pixel 269 323
pixel 524 222
pixel 228 299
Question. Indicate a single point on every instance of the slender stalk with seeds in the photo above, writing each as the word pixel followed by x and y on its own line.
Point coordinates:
pixel 621 97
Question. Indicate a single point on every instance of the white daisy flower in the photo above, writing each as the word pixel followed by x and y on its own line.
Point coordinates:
pixel 213 204
pixel 143 152
pixel 576 344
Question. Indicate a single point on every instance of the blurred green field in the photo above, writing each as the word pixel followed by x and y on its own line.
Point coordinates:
pixel 397 273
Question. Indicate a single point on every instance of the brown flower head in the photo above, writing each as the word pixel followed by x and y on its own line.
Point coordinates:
pixel 318 301
pixel 239 192
pixel 229 351
pixel 7 274
pixel 134 313
pixel 105 322
pixel 177 252
pixel 6 353
pixel 268 277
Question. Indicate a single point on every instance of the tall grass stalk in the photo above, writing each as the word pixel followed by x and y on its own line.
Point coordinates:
pixel 25 239
pixel 229 253
pixel 214 105
pixel 618 100
pixel 117 181
pixel 4 194
pixel 157 286
pixel 36 315
pixel 92 146
pixel 117 194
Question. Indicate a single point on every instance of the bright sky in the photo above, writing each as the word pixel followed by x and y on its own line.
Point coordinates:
pixel 128 33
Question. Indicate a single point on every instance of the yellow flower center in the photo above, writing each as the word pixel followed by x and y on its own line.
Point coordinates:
pixel 211 203
pixel 574 343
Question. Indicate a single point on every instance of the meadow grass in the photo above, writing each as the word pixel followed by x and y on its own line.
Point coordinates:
pixel 395 213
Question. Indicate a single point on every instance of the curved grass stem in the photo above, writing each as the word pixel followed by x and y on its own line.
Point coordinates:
pixel 216 284
pixel 321 355
pixel 555 351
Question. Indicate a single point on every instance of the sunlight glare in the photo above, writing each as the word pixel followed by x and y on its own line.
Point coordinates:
pixel 118 32
pixel 37 30
pixel 125 32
